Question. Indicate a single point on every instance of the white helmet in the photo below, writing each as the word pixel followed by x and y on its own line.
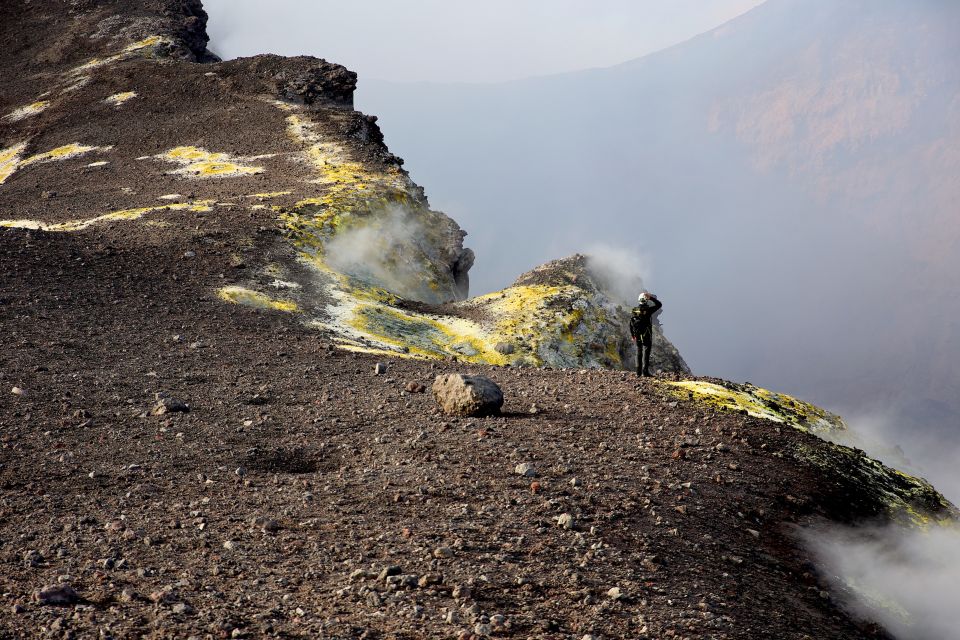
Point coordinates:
pixel 643 297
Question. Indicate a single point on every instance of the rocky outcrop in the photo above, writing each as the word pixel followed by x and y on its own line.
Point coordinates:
pixel 869 490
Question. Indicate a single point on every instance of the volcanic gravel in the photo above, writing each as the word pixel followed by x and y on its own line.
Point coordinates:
pixel 304 496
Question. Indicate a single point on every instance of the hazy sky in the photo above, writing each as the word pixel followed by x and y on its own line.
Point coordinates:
pixel 444 40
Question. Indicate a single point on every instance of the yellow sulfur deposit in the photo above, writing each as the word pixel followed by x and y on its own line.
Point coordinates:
pixel 200 163
pixel 10 160
pixel 199 206
pixel 267 196
pixel 118 99
pixel 126 52
pixel 250 298
pixel 759 403
pixel 26 111
pixel 65 152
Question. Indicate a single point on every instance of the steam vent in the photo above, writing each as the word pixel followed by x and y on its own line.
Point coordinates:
pixel 221 297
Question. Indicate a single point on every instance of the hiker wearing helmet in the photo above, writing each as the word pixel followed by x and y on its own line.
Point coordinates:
pixel 641 329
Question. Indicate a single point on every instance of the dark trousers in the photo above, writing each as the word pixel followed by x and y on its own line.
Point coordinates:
pixel 644 346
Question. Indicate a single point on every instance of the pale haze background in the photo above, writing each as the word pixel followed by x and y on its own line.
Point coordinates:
pixel 456 41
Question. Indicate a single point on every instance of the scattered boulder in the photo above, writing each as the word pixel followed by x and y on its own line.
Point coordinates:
pixel 57 594
pixel 379 369
pixel 462 395
pixel 415 387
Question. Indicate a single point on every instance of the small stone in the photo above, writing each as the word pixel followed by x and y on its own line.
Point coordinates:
pixel 229 545
pixel 189 254
pixel 240 472
pixel 379 369
pixel 270 526
pixel 526 470
pixel 565 520
pixel 182 608
pixel 392 570
pixel 33 558
pixel 754 533
pixel 115 526
pixel 258 400
pixel 453 617
pixel 575 482
pixel 415 387
pixel 534 409
pixel 443 552
pixel 461 591
pixel 17 608
pixel 59 594
pixel 506 348
pixel 482 629
pixel 169 405
pixel 615 593
pixel 18 391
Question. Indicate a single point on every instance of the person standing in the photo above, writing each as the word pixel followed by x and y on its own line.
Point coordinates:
pixel 641 329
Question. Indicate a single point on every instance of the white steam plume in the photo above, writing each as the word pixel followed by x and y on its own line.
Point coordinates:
pixel 387 251
pixel 620 272
pixel 908 580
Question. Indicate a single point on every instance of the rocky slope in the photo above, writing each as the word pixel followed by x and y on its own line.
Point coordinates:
pixel 275 139
pixel 233 239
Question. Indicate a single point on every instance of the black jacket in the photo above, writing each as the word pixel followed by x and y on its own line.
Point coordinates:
pixel 641 319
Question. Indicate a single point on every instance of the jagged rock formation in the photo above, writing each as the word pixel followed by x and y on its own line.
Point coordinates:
pixel 142 193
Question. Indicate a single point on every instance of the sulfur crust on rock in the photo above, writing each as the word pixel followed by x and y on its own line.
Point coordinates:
pixel 26 111
pixel 11 158
pixel 118 99
pixel 197 162
pixel 137 47
pixel 356 195
pixel 907 499
pixel 248 297
pixel 199 206
pixel 759 403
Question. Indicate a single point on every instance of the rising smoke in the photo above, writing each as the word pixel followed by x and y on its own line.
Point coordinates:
pixel 905 579
pixel 387 250
pixel 620 272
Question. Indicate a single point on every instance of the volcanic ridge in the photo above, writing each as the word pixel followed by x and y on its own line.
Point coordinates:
pixel 222 299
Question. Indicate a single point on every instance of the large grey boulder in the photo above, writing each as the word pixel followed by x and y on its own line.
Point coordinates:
pixel 460 395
